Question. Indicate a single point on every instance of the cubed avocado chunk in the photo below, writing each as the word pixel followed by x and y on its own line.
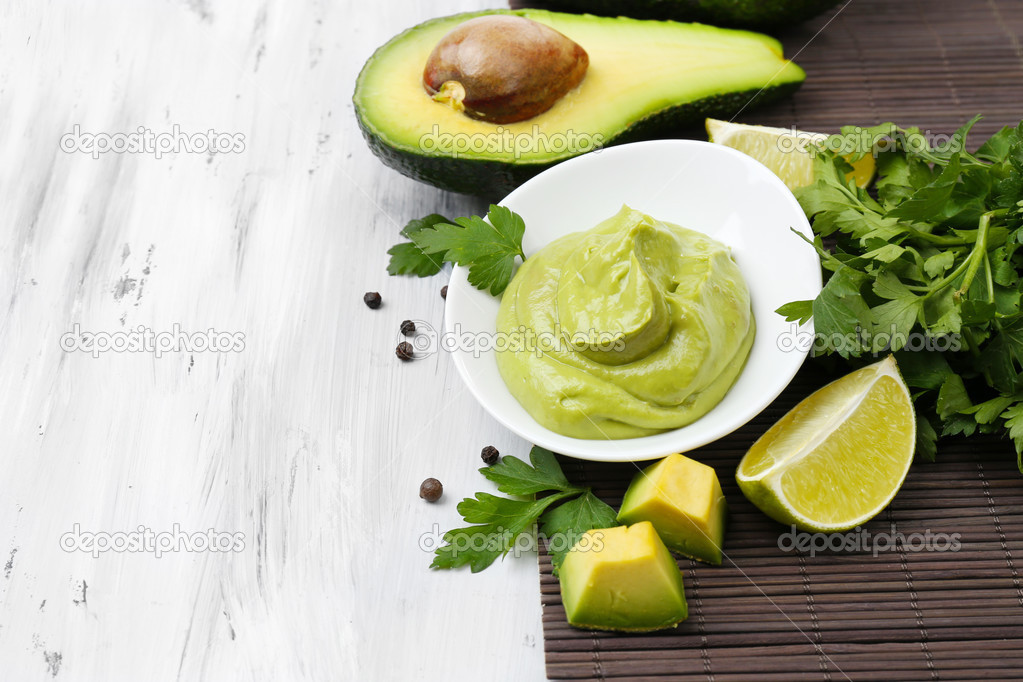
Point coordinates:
pixel 622 578
pixel 682 498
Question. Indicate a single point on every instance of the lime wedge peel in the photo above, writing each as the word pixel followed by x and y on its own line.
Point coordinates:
pixel 786 152
pixel 839 457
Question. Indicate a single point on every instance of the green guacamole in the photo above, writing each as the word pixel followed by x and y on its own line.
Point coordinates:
pixel 632 328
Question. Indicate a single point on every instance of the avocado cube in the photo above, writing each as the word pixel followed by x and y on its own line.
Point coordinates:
pixel 682 498
pixel 624 579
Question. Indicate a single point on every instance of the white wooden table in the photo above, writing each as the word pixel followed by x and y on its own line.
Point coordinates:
pixel 309 438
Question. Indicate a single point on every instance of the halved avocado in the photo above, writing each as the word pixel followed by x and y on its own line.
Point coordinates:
pixel 756 14
pixel 644 77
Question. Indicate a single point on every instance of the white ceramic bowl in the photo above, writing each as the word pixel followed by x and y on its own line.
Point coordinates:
pixel 699 185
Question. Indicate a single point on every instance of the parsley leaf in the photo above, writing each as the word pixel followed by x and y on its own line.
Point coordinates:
pixel 893 321
pixel 562 524
pixel 923 370
pixel 996 149
pixel 488 249
pixel 989 410
pixel 932 199
pixel 926 440
pixel 500 521
pixel 840 313
pixel 935 265
pixel 952 396
pixel 515 477
pixel 1014 423
pixel 796 311
pixel 409 259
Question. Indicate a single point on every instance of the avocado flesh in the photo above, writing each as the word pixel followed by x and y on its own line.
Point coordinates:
pixel 682 498
pixel 757 14
pixel 643 77
pixel 623 579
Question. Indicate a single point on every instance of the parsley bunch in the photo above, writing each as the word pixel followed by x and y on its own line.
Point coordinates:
pixel 933 250
pixel 501 520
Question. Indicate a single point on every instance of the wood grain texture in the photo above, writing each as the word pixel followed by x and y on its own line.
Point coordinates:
pixel 312 441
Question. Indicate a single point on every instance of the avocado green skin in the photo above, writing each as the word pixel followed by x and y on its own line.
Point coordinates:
pixel 755 14
pixel 495 179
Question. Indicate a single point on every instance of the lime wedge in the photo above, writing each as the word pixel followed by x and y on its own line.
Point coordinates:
pixel 838 457
pixel 782 150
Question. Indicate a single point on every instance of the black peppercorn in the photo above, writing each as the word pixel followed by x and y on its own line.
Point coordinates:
pixel 431 490
pixel 372 299
pixel 408 327
pixel 404 351
pixel 490 455
pixel 444 291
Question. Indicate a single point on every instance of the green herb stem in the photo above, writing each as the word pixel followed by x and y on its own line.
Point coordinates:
pixel 979 252
pixel 937 238
pixel 968 268
pixel 971 344
pixel 976 256
pixel 988 279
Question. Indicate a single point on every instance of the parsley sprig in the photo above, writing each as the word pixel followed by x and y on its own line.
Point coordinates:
pixel 501 520
pixel 487 247
pixel 934 251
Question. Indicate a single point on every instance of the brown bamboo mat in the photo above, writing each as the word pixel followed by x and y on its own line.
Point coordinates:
pixel 929 63
pixel 772 612
pixel 769 614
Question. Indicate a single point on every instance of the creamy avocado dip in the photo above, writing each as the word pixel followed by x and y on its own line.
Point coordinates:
pixel 634 327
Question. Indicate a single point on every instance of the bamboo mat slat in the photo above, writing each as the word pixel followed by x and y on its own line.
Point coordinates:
pixel 769 615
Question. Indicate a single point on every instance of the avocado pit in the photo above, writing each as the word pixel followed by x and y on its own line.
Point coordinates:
pixel 503 68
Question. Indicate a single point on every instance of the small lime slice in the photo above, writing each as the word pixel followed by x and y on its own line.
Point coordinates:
pixel 838 457
pixel 782 150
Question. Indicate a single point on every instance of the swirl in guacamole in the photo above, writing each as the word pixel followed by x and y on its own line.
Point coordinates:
pixel 632 328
